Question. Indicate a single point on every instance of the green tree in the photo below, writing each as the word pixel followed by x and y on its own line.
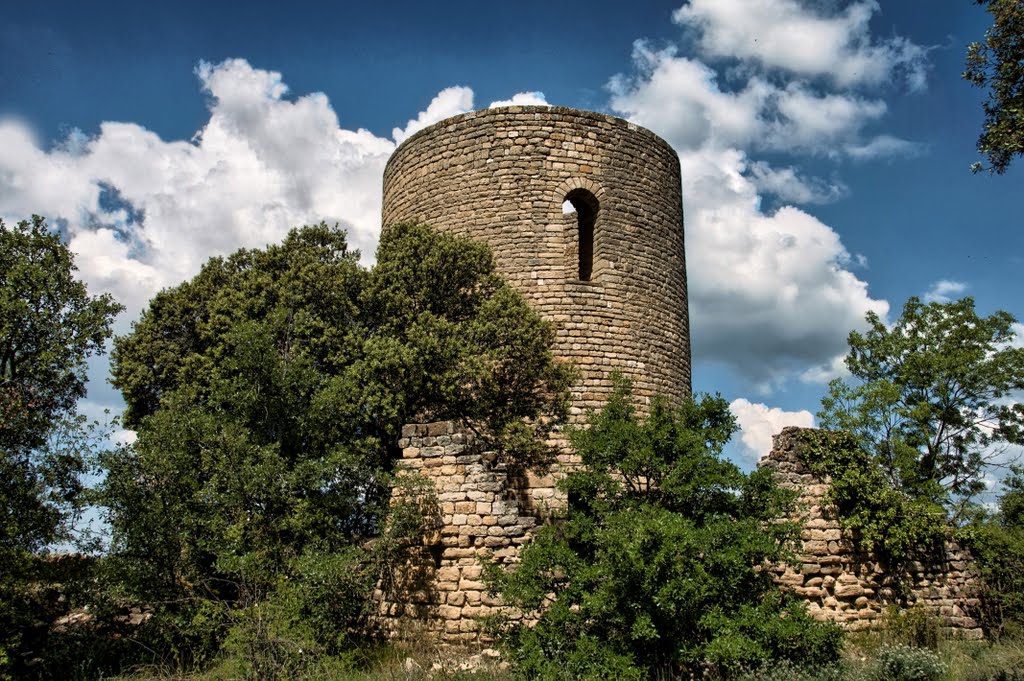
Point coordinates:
pixel 930 400
pixel 49 327
pixel 997 63
pixel 268 394
pixel 997 542
pixel 658 566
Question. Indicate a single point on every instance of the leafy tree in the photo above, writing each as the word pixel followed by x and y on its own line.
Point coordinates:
pixel 49 326
pixel 268 395
pixel 931 400
pixel 658 566
pixel 998 64
pixel 997 542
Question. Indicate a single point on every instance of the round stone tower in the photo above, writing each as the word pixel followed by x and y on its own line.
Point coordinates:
pixel 584 214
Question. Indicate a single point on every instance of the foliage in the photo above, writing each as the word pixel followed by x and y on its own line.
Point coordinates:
pixel 998 65
pixel 905 663
pixel 785 670
pixel 916 626
pixel 49 327
pixel 884 519
pixel 658 566
pixel 268 395
pixel 997 543
pixel 311 618
pixel 929 404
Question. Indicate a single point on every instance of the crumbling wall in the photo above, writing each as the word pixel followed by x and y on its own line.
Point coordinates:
pixel 489 512
pixel 840 582
pixel 486 511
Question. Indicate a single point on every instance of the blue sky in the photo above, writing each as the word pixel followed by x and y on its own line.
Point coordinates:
pixel 825 147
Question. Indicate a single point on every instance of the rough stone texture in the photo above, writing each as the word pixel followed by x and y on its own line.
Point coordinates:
pixel 501 176
pixel 485 510
pixel 851 587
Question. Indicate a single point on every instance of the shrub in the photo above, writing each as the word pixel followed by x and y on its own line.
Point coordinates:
pixel 657 566
pixel 906 663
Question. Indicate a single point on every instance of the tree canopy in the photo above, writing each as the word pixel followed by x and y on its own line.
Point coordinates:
pixel 268 394
pixel 931 398
pixel 997 63
pixel 49 327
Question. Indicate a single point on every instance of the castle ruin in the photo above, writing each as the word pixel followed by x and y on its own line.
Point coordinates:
pixel 583 212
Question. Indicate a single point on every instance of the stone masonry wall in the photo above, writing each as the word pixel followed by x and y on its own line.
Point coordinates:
pixel 486 511
pixel 852 588
pixel 501 176
pixel 483 511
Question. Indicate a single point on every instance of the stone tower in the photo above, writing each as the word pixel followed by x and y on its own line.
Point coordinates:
pixel 584 214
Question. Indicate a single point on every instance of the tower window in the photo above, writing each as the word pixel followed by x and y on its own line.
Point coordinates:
pixel 584 204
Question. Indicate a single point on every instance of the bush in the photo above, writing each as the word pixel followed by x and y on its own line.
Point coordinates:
pixel 784 670
pixel 906 663
pixel 998 546
pixel 657 567
pixel 914 626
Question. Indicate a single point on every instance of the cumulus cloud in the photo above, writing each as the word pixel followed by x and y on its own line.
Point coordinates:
pixel 534 98
pixel 759 422
pixel 770 294
pixel 143 213
pixel 449 102
pixel 802 39
pixel 684 100
pixel 788 184
pixel 773 291
pixel 944 291
pixel 680 98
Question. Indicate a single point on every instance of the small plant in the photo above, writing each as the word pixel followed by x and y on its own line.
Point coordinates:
pixel 914 626
pixel 906 663
pixel 784 670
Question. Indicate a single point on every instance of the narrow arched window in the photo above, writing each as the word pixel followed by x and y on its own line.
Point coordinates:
pixel 585 205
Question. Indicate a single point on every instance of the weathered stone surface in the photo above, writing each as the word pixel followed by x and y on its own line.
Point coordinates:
pixel 854 588
pixel 501 176
pixel 442 589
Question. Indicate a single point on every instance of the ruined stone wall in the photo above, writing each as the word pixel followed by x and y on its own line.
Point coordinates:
pixel 484 511
pixel 502 175
pixel 840 583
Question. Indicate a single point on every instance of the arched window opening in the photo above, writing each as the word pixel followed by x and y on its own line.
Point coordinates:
pixel 585 205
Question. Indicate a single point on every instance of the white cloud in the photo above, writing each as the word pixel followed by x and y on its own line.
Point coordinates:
pixel 794 37
pixel 680 99
pixel 522 99
pixel 883 146
pixel 826 371
pixel 770 294
pixel 683 100
pixel 759 422
pixel 944 290
pixel 144 213
pixel 810 121
pixel 789 185
pixel 449 102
